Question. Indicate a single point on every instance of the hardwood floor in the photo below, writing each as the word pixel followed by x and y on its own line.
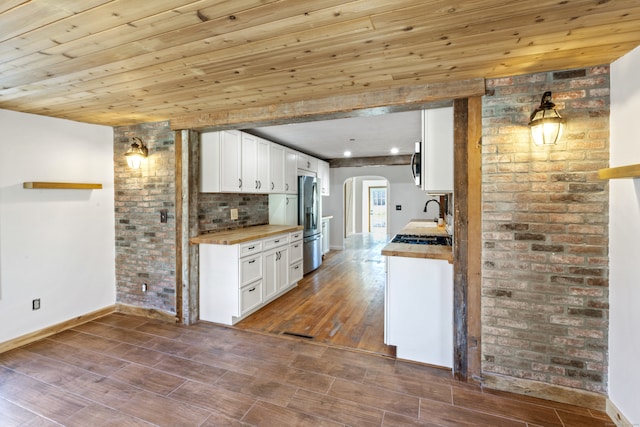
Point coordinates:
pixel 121 370
pixel 341 303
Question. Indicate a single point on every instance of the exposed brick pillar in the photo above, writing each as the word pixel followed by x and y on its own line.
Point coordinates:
pixel 146 247
pixel 545 232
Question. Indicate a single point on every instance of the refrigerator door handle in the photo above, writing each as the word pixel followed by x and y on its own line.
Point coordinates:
pixel 315 206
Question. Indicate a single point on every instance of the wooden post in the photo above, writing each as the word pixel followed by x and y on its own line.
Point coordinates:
pixel 467 237
pixel 187 172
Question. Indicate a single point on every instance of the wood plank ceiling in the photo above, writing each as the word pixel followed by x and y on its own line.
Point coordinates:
pixel 119 62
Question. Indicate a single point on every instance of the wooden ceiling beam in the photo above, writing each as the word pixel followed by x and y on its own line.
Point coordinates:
pixel 354 105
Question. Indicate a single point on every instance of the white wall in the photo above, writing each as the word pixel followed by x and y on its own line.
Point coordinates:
pixel 624 235
pixel 56 245
pixel 402 191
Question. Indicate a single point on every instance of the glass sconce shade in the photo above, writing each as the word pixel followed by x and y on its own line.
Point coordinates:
pixel 546 123
pixel 136 153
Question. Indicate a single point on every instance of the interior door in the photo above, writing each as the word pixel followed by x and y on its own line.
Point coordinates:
pixel 378 210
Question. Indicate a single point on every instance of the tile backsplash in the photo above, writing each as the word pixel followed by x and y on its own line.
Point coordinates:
pixel 214 211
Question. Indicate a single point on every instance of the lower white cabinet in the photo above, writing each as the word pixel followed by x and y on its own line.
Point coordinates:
pixel 295 257
pixel 236 280
pixel 276 271
pixel 325 235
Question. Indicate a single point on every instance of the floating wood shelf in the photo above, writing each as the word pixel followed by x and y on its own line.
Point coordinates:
pixel 631 171
pixel 62 185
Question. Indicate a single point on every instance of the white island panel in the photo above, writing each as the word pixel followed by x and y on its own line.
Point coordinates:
pixel 419 309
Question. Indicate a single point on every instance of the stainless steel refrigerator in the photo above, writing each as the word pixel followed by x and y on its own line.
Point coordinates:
pixel 309 212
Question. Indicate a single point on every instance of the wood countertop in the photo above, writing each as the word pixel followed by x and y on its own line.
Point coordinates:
pixel 246 234
pixel 422 228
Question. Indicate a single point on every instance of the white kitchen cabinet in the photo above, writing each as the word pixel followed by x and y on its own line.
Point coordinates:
pixel 236 280
pixel 276 265
pixel 437 150
pixel 326 230
pixel 290 171
pixel 283 209
pixel 277 168
pixel 295 257
pixel 230 161
pixel 220 157
pixel 308 163
pixel 325 179
pixel 419 309
pixel 255 164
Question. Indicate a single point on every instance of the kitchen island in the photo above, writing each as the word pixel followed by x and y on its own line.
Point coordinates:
pixel 419 297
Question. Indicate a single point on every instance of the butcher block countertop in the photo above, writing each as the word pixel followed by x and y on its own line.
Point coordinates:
pixel 423 228
pixel 241 235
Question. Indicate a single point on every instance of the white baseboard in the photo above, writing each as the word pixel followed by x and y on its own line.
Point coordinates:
pixel 617 417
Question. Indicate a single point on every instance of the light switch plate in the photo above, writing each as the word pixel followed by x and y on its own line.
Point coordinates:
pixel 234 214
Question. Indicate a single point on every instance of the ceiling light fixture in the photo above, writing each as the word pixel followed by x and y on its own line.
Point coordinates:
pixel 394 150
pixel 136 153
pixel 545 122
pixel 347 153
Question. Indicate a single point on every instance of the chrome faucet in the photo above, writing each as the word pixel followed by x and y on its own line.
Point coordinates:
pixel 437 203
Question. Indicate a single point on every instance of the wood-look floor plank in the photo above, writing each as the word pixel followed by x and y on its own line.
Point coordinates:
pixel 339 410
pixel 209 375
pixel 12 415
pixel 267 414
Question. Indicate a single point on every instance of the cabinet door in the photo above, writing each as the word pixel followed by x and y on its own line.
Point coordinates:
pixel 325 236
pixel 270 277
pixel 210 162
pixel 323 174
pixel 230 161
pixel 263 165
pixel 277 168
pixel 283 268
pixel 307 162
pixel 291 172
pixel 249 163
pixel 437 150
pixel 291 210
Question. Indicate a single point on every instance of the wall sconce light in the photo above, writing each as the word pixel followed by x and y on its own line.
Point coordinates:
pixel 136 153
pixel 545 122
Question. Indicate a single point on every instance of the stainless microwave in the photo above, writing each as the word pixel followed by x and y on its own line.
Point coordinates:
pixel 416 164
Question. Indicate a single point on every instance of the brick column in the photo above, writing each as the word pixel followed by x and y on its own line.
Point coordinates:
pixel 545 232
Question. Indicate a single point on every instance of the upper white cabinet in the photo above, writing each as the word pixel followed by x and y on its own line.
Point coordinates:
pixel 221 162
pixel 323 174
pixel 276 166
pixel 233 161
pixel 290 171
pixel 255 164
pixel 437 150
pixel 307 162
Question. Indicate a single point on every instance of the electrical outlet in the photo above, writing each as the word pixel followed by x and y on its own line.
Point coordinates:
pixel 234 214
pixel 164 215
pixel 35 304
pixel 144 287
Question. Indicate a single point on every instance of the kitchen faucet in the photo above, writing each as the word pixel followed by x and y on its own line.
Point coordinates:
pixel 437 203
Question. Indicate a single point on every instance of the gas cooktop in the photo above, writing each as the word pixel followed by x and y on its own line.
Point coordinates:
pixel 417 239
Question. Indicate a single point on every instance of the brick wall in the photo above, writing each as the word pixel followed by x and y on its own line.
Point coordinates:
pixel 545 232
pixel 145 247
pixel 213 210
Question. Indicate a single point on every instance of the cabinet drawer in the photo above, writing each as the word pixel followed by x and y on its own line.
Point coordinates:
pixel 295 251
pixel 250 248
pixel 276 241
pixel 296 235
pixel 250 269
pixel 250 297
pixel 295 272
